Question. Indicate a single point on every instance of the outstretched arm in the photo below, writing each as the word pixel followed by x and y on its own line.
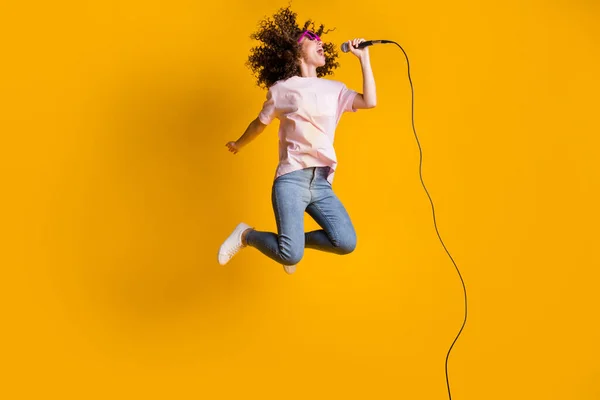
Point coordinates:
pixel 368 98
pixel 254 129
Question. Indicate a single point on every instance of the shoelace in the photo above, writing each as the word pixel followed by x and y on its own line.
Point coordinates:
pixel 234 249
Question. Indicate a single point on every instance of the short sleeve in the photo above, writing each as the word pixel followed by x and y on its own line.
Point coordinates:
pixel 269 108
pixel 346 99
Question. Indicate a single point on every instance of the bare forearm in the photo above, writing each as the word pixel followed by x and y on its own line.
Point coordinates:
pixel 254 129
pixel 369 90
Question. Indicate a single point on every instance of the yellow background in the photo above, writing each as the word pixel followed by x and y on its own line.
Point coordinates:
pixel 118 191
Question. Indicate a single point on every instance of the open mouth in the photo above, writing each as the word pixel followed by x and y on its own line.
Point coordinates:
pixel 320 52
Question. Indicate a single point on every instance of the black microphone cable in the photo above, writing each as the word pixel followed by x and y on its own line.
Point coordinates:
pixel 432 207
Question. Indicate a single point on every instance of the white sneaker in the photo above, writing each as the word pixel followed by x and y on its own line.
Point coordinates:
pixel 232 244
pixel 290 269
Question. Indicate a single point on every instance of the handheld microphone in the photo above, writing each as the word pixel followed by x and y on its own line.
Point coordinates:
pixel 346 47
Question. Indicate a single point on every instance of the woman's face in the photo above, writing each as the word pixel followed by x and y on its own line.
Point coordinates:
pixel 311 50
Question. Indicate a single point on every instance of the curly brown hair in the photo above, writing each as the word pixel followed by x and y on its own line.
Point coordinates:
pixel 277 57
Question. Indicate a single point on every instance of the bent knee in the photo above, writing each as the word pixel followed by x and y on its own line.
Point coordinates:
pixel 346 246
pixel 291 260
pixel 292 257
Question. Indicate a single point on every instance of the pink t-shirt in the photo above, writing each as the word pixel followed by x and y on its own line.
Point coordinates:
pixel 309 109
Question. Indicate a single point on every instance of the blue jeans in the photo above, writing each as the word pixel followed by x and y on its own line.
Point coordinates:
pixel 305 190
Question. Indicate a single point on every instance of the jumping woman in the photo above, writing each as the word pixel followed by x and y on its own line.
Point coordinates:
pixel 291 63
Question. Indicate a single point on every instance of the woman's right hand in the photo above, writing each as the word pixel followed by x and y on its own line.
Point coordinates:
pixel 233 147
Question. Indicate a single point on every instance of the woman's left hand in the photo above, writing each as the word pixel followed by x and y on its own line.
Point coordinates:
pixel 358 52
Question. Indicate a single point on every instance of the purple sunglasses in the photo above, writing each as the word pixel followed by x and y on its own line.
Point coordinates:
pixel 310 35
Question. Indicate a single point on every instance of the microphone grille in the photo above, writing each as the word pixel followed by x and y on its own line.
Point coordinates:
pixel 345 48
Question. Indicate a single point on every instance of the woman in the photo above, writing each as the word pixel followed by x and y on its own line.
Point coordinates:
pixel 290 64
